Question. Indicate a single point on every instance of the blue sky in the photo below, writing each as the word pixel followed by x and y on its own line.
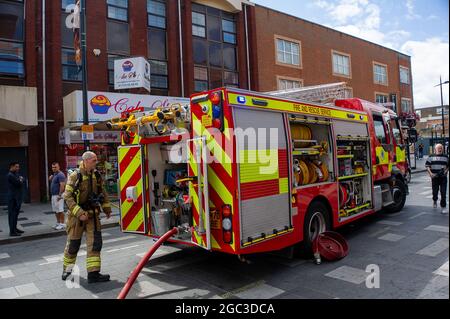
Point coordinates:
pixel 419 28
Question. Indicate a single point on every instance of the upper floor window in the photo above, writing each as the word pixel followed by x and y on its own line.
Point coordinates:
pixel 156 11
pixel 66 3
pixel 404 75
pixel 286 84
pixel 12 38
pixel 198 24
pixel 70 69
pixel 406 105
pixel 341 64
pixel 380 74
pixel 118 9
pixel 381 98
pixel 288 52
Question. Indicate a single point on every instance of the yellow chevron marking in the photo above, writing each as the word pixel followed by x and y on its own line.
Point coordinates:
pixel 219 187
pixel 129 171
pixel 214 243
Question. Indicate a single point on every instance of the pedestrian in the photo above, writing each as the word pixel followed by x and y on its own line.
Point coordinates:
pixel 420 150
pixel 15 189
pixel 437 166
pixel 86 197
pixel 58 183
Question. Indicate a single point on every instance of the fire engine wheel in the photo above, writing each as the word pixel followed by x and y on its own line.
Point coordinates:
pixel 316 221
pixel 399 197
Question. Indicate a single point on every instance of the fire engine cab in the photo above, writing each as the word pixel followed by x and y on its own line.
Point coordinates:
pixel 243 172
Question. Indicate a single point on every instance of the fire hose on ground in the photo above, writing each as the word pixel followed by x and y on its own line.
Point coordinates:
pixel 143 262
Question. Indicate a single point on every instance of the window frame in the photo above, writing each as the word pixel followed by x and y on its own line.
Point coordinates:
pixel 374 63
pixel 160 75
pixel 157 15
pixel 343 54
pixel 287 78
pixel 63 65
pixel 406 99
pixel 401 67
pixel 116 6
pixel 300 55
pixel 386 95
pixel 204 27
pixel 386 139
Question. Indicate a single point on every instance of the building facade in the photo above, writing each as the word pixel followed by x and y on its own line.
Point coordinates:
pixel 191 45
pixel 430 126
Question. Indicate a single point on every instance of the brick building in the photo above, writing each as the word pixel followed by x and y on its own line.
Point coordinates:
pixel 192 45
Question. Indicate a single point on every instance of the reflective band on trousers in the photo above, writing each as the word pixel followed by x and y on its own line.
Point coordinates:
pixel 69 261
pixel 92 262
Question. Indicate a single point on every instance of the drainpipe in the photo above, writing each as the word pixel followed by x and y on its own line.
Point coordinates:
pixel 181 48
pixel 44 100
pixel 246 47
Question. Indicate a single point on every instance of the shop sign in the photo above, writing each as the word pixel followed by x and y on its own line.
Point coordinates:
pixel 87 132
pixel 100 137
pixel 131 73
pixel 102 106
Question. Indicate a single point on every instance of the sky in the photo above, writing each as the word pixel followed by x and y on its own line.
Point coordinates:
pixel 418 28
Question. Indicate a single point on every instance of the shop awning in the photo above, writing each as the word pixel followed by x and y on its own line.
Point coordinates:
pixel 18 108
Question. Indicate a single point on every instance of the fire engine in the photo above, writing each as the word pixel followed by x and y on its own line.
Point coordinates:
pixel 242 172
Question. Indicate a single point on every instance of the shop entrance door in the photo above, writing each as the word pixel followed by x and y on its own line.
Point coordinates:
pixel 8 155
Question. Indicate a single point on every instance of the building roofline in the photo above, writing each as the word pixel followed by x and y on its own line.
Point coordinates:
pixel 325 27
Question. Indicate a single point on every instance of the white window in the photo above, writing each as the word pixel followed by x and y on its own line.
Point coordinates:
pixel 284 84
pixel 406 105
pixel 404 75
pixel 380 74
pixel 381 98
pixel 341 64
pixel 198 24
pixel 288 52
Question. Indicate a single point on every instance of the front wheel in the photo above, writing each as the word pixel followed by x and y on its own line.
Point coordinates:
pixel 316 222
pixel 399 197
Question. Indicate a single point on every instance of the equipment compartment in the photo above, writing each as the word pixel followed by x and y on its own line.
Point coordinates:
pixel 311 150
pixel 169 190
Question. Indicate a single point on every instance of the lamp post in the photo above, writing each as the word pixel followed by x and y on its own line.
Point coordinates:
pixel 84 67
pixel 442 109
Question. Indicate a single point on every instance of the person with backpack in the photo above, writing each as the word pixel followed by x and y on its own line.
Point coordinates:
pixel 85 197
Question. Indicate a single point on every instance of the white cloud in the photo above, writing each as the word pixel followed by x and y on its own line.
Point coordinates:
pixel 429 60
pixel 411 15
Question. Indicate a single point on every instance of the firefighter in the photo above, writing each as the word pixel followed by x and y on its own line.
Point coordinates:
pixel 85 195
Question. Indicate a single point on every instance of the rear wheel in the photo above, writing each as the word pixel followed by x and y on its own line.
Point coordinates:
pixel 316 222
pixel 398 196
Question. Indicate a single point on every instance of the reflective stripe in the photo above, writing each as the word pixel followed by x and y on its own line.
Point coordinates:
pixel 69 188
pixel 75 210
pixel 106 205
pixel 69 261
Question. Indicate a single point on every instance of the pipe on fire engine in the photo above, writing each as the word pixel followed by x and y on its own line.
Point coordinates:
pixel 144 260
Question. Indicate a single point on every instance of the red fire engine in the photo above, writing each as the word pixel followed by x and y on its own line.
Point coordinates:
pixel 242 172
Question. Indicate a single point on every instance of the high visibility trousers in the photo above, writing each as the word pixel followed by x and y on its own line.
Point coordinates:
pixel 75 230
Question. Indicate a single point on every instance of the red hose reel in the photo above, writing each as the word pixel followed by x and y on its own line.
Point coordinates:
pixel 329 246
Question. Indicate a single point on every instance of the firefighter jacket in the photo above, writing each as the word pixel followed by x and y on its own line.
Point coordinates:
pixel 78 192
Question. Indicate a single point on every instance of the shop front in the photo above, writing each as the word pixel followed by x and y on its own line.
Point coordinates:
pixel 103 106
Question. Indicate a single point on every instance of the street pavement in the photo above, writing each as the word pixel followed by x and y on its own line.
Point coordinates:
pixel 391 256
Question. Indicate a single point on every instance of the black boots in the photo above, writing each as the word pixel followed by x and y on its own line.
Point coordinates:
pixel 65 274
pixel 96 276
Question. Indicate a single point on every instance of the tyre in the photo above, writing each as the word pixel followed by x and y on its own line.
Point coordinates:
pixel 317 220
pixel 399 197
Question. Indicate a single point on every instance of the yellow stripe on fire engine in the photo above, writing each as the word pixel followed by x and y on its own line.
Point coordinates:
pixel 297 108
pixel 258 165
pixel 193 194
pixel 216 183
pixel 284 185
pixel 212 145
pixel 129 171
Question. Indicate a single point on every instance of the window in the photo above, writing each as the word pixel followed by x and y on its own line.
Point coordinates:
pixel 380 74
pixel 341 64
pixel 379 129
pixel 198 24
pixel 288 52
pixel 118 37
pixel 214 48
pixel 381 98
pixel 158 78
pixel 118 9
pixel 406 105
pixel 70 70
pixel 156 12
pixel 157 44
pixel 11 39
pixel 66 3
pixel 286 84
pixel 404 75
pixel 396 132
